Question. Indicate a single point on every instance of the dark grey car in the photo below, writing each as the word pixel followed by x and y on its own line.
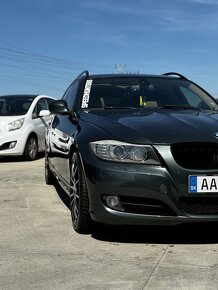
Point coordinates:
pixel 135 149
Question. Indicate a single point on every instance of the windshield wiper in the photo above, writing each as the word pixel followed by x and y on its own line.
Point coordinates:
pixel 176 107
pixel 180 107
pixel 117 108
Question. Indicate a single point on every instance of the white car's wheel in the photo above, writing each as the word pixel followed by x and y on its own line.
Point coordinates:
pixel 31 149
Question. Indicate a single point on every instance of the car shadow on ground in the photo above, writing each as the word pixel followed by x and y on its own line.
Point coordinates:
pixel 62 194
pixel 182 234
pixel 11 159
pixel 195 233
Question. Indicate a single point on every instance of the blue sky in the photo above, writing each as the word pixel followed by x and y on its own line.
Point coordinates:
pixel 45 44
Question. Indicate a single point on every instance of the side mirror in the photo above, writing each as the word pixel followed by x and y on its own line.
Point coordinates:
pixel 44 113
pixel 59 107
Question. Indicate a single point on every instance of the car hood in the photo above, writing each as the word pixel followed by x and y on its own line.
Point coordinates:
pixel 160 126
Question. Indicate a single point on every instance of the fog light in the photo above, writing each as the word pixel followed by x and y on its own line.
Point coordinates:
pixel 163 188
pixel 12 144
pixel 113 202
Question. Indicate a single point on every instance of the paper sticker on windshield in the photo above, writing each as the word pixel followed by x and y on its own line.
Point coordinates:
pixel 86 94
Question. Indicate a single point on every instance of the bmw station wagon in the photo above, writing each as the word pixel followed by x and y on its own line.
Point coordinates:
pixel 135 149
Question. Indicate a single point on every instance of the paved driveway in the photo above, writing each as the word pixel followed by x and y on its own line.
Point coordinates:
pixel 40 250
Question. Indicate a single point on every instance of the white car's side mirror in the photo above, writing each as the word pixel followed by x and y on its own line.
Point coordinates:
pixel 44 113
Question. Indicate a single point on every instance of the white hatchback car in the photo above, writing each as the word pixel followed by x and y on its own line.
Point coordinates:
pixel 23 121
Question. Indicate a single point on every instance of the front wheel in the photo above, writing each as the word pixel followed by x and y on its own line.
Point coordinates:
pixel 79 202
pixel 31 149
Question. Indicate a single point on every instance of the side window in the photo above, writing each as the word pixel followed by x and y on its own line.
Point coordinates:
pixel 70 94
pixel 41 105
pixel 191 97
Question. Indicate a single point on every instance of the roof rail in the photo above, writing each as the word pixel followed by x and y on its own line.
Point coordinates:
pixel 176 74
pixel 84 72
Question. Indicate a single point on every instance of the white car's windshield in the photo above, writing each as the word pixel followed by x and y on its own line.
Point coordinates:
pixel 15 105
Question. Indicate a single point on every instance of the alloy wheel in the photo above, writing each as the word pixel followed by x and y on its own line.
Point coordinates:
pixel 74 192
pixel 31 149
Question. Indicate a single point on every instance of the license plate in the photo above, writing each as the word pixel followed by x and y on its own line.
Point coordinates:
pixel 203 183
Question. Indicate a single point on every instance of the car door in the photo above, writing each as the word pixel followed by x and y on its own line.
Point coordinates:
pixel 61 134
pixel 40 123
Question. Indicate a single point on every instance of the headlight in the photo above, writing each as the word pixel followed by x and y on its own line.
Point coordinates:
pixel 124 152
pixel 15 124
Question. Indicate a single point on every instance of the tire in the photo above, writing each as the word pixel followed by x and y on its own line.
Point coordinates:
pixel 49 177
pixel 31 149
pixel 79 202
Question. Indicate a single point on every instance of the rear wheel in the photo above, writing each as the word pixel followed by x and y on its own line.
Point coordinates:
pixel 79 202
pixel 31 149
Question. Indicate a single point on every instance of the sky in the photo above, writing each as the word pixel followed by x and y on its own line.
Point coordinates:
pixel 45 44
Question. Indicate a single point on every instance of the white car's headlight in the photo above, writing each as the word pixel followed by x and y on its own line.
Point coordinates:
pixel 17 124
pixel 124 152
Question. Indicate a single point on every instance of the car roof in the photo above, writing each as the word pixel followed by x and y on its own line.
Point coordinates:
pixel 26 96
pixel 19 96
pixel 168 75
pixel 123 75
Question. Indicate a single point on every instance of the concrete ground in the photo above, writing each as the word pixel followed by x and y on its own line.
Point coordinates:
pixel 40 250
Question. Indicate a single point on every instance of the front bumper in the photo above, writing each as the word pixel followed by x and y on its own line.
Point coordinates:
pixel 150 195
pixel 17 136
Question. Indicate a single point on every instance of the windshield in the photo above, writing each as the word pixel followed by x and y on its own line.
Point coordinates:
pixel 15 105
pixel 146 92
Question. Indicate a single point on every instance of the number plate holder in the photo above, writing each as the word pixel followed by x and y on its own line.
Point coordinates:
pixel 203 184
